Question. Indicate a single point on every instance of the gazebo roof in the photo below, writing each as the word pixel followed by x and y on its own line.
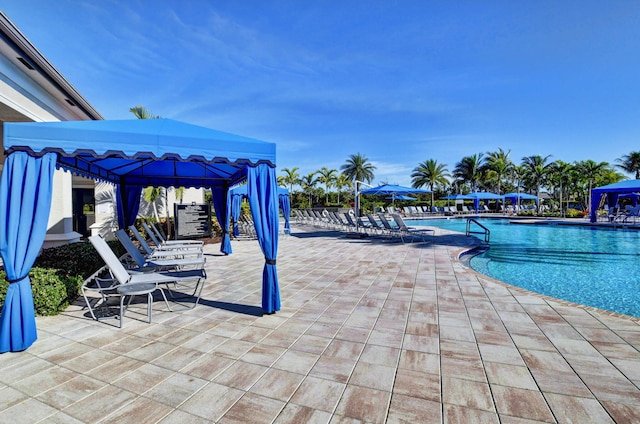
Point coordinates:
pixel 142 152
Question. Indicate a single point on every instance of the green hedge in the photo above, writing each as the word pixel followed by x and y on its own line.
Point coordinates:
pixel 58 274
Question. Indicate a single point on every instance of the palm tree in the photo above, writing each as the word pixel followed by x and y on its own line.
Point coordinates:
pixel 341 182
pixel 590 170
pixel 630 163
pixel 469 169
pixel 179 192
pixel 499 163
pixel 142 112
pixel 290 177
pixel 327 177
pixel 536 170
pixel 430 173
pixel 150 194
pixel 357 168
pixel 308 184
pixel 517 174
pixel 561 172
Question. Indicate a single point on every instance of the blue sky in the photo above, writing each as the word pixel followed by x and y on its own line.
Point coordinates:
pixel 398 81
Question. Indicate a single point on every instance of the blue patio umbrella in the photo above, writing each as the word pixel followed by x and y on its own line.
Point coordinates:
pixel 393 190
pixel 400 197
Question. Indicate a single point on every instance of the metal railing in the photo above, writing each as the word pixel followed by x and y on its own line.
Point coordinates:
pixel 486 232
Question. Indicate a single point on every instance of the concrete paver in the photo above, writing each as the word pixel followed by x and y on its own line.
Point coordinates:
pixel 370 330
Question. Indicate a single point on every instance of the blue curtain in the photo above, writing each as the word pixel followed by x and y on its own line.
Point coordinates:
pixel 285 205
pixel 128 205
pixel 25 196
pixel 236 206
pixel 219 197
pixel 262 188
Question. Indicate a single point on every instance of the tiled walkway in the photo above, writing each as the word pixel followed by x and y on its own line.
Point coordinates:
pixel 369 331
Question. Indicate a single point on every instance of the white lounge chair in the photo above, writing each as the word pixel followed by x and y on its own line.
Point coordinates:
pixel 190 279
pixel 162 244
pixel 166 242
pixel 167 252
pixel 405 230
pixel 155 264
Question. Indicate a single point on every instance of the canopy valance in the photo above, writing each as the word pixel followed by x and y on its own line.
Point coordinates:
pixel 142 152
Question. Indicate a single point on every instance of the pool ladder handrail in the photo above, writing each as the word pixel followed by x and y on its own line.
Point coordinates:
pixel 486 232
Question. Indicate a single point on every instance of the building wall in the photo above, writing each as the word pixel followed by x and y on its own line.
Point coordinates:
pixel 37 92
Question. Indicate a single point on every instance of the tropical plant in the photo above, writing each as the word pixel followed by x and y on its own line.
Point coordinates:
pixel 499 164
pixel 308 183
pixel 150 194
pixel 153 196
pixel 430 173
pixel 327 177
pixel 342 182
pixel 179 192
pixel 358 168
pixel 630 163
pixel 290 177
pixel 142 112
pixel 536 169
pixel 560 173
pixel 590 170
pixel 469 170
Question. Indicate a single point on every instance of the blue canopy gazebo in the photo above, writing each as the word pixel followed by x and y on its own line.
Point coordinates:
pixel 131 154
pixel 612 191
pixel 234 202
pixel 515 198
pixel 481 195
pixel 457 197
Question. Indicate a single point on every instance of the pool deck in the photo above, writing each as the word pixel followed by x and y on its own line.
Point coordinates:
pixel 370 331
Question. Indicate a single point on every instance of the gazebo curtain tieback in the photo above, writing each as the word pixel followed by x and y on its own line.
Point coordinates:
pixel 17 280
pixel 270 261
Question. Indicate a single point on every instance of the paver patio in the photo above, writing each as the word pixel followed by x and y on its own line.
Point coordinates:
pixel 369 331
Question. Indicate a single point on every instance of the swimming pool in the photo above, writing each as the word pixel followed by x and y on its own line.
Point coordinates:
pixel 588 265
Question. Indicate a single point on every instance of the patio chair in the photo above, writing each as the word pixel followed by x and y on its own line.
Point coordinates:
pixel 144 265
pixel 106 288
pixel 188 280
pixel 375 226
pixel 350 222
pixel 391 230
pixel 176 251
pixel 366 227
pixel 166 242
pixel 162 244
pixel 404 230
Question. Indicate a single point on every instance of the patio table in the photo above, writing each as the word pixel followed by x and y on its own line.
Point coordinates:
pixel 138 289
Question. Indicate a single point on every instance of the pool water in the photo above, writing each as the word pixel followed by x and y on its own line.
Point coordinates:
pixel 588 265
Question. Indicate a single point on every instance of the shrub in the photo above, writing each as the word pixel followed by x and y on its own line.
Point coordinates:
pixel 58 273
pixel 76 258
pixel 574 213
pixel 51 290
